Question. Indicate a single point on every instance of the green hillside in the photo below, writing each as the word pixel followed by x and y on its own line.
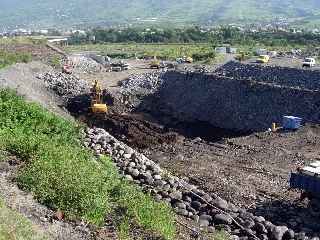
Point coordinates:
pixel 73 12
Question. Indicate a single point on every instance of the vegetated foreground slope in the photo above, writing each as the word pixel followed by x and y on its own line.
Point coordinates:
pixel 64 175
pixel 73 12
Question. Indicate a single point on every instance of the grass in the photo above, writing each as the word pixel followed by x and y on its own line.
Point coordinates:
pixel 64 175
pixel 7 58
pixel 200 52
pixel 14 226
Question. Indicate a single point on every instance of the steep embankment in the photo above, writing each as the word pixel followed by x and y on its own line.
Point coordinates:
pixel 65 176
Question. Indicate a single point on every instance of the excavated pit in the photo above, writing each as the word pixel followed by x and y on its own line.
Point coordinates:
pixel 210 128
pixel 234 101
pixel 143 130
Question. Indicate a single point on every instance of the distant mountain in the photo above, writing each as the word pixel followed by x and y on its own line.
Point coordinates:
pixel 48 13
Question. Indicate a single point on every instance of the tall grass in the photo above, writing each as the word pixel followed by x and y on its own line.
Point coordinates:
pixel 64 175
pixel 7 58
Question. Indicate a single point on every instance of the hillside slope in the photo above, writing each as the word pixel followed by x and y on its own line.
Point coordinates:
pixel 73 12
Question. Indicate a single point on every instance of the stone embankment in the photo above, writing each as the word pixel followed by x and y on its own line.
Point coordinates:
pixel 210 212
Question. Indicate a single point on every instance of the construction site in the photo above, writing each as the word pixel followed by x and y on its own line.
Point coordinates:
pixel 210 142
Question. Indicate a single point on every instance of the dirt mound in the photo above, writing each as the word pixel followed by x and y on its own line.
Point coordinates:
pixel 137 132
pixel 23 78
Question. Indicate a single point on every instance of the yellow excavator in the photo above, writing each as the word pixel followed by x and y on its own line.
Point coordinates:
pixel 155 63
pixel 97 106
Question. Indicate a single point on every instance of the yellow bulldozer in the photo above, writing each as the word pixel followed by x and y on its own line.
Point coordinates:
pixel 97 105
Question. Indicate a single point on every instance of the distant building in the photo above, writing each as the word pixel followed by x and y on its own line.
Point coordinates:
pixel 261 51
pixel 221 50
pixel 59 41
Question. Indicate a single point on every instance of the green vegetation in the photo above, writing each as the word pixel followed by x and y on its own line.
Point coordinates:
pixel 169 44
pixel 14 226
pixel 225 35
pixel 64 175
pixel 7 58
pixel 55 61
pixel 199 52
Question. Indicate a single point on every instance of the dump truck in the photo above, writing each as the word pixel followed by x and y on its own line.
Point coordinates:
pixel 307 179
pixel 119 66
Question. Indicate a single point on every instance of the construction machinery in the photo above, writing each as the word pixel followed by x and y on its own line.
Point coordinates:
pixel 309 62
pixel 307 179
pixel 97 105
pixel 263 59
pixel 120 66
pixel 184 59
pixel 67 68
pixel 155 63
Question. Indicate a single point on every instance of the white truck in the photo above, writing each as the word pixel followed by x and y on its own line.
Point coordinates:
pixel 309 62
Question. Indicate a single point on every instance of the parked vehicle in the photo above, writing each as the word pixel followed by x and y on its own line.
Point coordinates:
pixel 309 62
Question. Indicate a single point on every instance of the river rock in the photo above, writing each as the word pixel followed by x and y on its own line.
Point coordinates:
pixel 278 232
pixel 222 219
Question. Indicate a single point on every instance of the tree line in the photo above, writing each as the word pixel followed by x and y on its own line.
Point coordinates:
pixel 195 35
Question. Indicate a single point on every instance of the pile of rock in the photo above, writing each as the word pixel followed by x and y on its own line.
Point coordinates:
pixel 148 82
pixel 283 76
pixel 84 64
pixel 210 212
pixel 64 84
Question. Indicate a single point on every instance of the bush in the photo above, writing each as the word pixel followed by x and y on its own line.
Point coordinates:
pixel 64 175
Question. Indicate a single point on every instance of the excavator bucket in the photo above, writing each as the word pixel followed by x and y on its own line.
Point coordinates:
pixel 99 108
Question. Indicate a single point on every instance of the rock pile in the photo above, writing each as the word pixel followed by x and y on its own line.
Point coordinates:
pixel 84 64
pixel 283 76
pixel 64 84
pixel 210 212
pixel 148 82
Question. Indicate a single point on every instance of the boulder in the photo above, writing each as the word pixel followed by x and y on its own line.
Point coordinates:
pixel 222 219
pixel 278 232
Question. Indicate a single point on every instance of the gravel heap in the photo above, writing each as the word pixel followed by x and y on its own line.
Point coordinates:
pixel 148 82
pixel 283 76
pixel 64 84
pixel 84 64
pixel 210 212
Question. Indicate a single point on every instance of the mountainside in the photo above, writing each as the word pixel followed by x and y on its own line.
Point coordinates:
pixel 47 13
